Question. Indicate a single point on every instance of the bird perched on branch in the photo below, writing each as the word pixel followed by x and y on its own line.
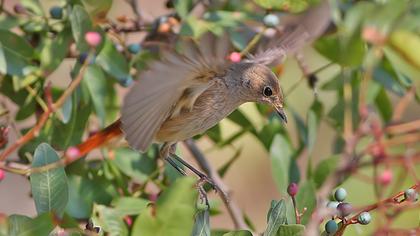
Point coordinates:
pixel 186 93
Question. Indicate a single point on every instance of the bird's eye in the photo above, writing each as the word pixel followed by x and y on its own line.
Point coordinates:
pixel 267 91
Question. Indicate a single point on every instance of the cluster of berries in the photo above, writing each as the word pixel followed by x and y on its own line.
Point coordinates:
pixel 344 209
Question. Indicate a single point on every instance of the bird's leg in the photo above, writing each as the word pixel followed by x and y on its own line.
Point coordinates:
pixel 167 153
pixel 203 177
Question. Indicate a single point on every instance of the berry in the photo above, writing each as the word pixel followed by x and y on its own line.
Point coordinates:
pixel 72 152
pixel 364 218
pixel 128 220
pixel 411 195
pixel 134 48
pixel 340 194
pixel 386 177
pixel 331 227
pixel 82 57
pixel 292 189
pixel 333 204
pixel 373 35
pixel 164 27
pixel 271 20
pixel 2 175
pixel 344 209
pixel 93 38
pixel 56 12
pixel 19 9
pixel 235 57
pixel 126 82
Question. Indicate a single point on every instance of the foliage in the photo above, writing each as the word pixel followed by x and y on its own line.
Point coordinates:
pixel 374 46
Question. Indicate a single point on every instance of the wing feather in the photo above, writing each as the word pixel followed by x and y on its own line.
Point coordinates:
pixel 157 93
pixel 302 31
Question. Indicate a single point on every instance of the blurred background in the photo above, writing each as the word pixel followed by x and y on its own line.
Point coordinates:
pixel 250 179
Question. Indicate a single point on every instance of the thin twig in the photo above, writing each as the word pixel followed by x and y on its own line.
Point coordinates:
pixel 233 209
pixel 34 132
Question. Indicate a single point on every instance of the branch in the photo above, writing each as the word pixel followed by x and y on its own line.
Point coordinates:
pixel 233 209
pixel 34 132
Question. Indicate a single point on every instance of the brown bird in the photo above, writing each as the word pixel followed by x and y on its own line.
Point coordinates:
pixel 183 95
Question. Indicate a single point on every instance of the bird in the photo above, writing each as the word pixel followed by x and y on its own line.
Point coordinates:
pixel 188 91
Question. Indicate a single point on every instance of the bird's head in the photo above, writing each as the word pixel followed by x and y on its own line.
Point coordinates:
pixel 260 84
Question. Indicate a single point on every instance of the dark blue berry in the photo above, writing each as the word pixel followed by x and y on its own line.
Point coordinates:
pixel 364 218
pixel 271 20
pixel 134 48
pixel 331 227
pixel 126 82
pixel 56 12
pixel 340 194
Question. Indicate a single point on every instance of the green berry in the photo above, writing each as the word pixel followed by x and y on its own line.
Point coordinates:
pixel 331 227
pixel 56 12
pixel 411 195
pixel 364 218
pixel 271 20
pixel 332 204
pixel 340 194
pixel 134 48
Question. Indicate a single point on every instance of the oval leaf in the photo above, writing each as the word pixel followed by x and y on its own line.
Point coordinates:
pixel 49 188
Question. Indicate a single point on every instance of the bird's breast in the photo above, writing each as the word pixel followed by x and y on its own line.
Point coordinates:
pixel 211 106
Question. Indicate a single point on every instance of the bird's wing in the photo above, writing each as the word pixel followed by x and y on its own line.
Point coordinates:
pixel 303 30
pixel 170 85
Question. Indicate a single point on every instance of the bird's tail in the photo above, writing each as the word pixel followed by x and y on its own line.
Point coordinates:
pixel 100 138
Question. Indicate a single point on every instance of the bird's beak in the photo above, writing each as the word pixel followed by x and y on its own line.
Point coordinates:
pixel 281 113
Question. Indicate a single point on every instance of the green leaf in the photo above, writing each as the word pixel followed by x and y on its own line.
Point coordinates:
pixel 174 212
pixel 183 7
pixel 400 64
pixel 408 45
pixel 349 54
pixel 33 6
pixel 291 230
pixel 129 205
pixel 306 197
pixel 381 76
pixel 384 105
pixel 80 25
pixel 95 80
pixel 289 5
pixel 25 226
pixel 324 169
pixel 49 188
pixel 277 216
pixel 97 9
pixel 113 62
pixel 281 159
pixel 3 62
pixel 84 191
pixel 16 53
pixel 194 27
pixel 16 222
pixel 54 50
pixel 134 164
pixel 202 224
pixel 239 233
pixel 314 117
pixel 240 119
pixel 109 220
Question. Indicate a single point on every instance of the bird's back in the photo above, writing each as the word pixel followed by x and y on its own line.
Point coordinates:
pixel 214 104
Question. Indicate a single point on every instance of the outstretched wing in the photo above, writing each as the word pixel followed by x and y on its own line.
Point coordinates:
pixel 157 93
pixel 303 30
